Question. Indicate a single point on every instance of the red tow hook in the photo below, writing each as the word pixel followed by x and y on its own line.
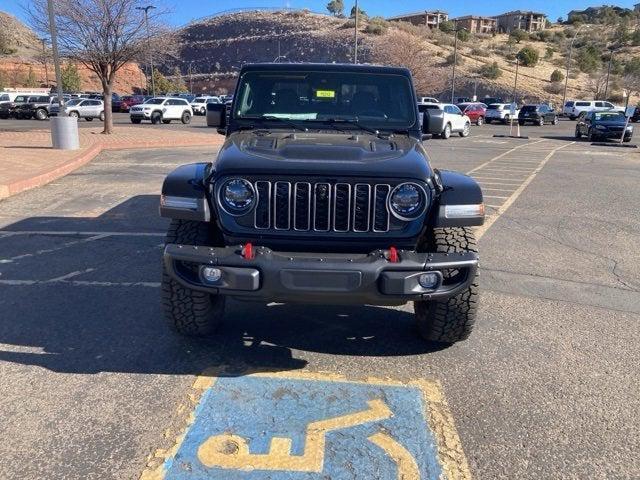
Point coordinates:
pixel 247 251
pixel 393 255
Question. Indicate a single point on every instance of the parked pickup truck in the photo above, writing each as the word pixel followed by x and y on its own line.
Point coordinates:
pixel 322 193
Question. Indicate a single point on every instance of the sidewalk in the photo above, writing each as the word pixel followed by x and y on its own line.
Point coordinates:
pixel 28 161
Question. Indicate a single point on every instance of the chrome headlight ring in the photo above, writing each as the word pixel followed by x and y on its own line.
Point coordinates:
pixel 237 196
pixel 407 201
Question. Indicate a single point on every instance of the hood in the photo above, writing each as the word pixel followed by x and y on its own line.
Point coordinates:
pixel 323 154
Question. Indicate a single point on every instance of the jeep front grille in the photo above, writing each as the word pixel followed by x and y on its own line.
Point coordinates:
pixel 322 206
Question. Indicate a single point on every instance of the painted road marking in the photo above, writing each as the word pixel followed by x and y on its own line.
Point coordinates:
pixel 302 425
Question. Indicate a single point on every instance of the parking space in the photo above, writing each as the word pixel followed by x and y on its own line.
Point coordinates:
pixel 544 388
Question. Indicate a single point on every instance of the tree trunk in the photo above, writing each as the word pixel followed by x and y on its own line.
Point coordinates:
pixel 108 115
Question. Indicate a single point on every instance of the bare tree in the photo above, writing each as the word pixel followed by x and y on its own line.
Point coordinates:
pixel 597 83
pixel 103 35
pixel 406 50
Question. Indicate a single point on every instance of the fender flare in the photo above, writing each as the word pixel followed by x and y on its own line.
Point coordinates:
pixel 184 193
pixel 458 189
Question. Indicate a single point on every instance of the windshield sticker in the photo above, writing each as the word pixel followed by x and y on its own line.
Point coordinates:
pixel 325 94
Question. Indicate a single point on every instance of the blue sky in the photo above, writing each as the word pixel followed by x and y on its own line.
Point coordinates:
pixel 185 10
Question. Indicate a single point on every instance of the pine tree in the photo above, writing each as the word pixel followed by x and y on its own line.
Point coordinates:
pixel 71 81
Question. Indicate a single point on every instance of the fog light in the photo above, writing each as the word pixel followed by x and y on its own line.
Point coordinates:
pixel 429 280
pixel 210 274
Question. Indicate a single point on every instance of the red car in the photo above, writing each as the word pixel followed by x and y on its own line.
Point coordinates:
pixel 129 101
pixel 475 111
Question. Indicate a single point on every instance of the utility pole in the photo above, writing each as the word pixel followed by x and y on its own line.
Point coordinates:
pixel 56 56
pixel 515 83
pixel 606 85
pixel 455 60
pixel 355 40
pixel 146 21
pixel 44 60
pixel 190 78
pixel 566 77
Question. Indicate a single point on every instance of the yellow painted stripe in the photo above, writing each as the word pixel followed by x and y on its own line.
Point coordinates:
pixel 407 466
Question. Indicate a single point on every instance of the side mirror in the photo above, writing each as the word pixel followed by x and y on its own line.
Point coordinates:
pixel 216 115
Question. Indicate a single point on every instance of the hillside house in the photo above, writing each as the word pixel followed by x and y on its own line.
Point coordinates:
pixel 431 19
pixel 475 24
pixel 527 21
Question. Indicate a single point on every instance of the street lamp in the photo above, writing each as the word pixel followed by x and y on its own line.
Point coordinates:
pixel 566 78
pixel 455 59
pixel 606 85
pixel 146 21
pixel 355 37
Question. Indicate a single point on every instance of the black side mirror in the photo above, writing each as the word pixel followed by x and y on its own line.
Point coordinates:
pixel 216 115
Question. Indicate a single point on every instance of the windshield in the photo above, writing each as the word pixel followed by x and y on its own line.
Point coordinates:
pixel 155 101
pixel 610 116
pixel 375 100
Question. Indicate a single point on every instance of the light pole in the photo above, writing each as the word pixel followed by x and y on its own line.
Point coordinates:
pixel 355 37
pixel 146 21
pixel 515 83
pixel 455 59
pixel 606 85
pixel 566 77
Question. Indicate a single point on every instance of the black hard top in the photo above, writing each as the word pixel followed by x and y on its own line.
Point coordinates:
pixel 328 67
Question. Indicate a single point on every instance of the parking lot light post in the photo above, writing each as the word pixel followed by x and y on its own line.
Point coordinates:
pixel 146 21
pixel 455 60
pixel 606 85
pixel 566 77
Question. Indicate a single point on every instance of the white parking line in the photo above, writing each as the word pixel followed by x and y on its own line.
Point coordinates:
pixel 9 233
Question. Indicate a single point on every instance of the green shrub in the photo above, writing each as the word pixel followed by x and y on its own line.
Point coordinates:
pixel 447 27
pixel 518 35
pixel 479 52
pixel 548 53
pixel 491 71
pixel 557 76
pixel 377 26
pixel 635 37
pixel 588 59
pixel 459 59
pixel 528 56
pixel 463 35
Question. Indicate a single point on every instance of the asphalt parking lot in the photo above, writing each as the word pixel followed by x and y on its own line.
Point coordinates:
pixel 95 386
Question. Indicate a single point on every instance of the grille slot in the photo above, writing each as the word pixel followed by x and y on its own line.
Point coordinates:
pixel 322 207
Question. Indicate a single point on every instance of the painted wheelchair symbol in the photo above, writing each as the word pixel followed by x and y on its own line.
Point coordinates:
pixel 232 451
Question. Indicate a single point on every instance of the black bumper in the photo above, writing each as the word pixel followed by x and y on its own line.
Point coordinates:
pixel 319 278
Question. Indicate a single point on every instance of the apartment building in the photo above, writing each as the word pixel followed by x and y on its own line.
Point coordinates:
pixel 524 20
pixel 475 24
pixel 431 19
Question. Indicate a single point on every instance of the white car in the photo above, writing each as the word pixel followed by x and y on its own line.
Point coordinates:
pixel 428 100
pixel 454 119
pixel 573 108
pixel 80 108
pixel 199 104
pixel 500 112
pixel 162 109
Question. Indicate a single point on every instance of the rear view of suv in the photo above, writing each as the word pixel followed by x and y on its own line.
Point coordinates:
pixel 500 112
pixel 538 114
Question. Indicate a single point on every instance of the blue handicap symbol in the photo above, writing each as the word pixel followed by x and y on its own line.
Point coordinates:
pixel 277 427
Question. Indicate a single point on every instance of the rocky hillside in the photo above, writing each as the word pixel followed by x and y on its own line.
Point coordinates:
pixel 28 57
pixel 213 49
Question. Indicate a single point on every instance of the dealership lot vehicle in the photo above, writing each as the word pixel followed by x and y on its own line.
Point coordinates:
pixel 199 104
pixel 573 108
pixel 453 119
pixel 38 109
pixel 88 109
pixel 603 125
pixel 8 108
pixel 129 101
pixel 476 111
pixel 500 112
pixel 304 227
pixel 162 109
pixel 537 114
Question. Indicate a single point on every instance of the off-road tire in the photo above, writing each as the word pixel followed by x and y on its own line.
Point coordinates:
pixel 190 312
pixel 450 320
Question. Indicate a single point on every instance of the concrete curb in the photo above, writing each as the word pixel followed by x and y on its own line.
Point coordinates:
pixel 7 190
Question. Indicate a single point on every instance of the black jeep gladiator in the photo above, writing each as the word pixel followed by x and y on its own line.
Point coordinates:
pixel 322 193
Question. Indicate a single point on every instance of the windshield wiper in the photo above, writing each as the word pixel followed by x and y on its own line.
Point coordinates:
pixel 352 121
pixel 284 121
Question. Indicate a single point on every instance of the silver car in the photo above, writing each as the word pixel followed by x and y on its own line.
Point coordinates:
pixel 86 108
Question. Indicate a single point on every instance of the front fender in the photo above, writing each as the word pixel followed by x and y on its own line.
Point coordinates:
pixel 184 195
pixel 462 191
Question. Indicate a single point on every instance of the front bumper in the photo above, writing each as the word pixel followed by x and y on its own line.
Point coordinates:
pixel 612 134
pixel 140 115
pixel 320 278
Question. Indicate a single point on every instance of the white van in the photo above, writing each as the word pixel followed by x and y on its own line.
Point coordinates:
pixel 579 106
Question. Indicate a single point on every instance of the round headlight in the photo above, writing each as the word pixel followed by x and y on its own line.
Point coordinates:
pixel 407 201
pixel 237 196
